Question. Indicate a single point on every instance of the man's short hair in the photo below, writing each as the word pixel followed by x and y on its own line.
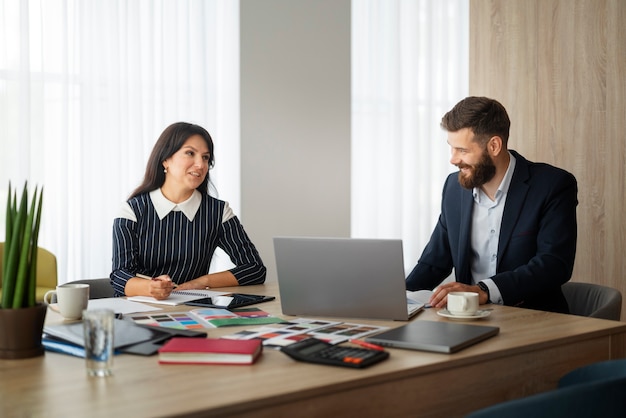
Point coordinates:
pixel 484 116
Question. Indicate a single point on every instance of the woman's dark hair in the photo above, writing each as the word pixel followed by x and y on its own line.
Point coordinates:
pixel 485 117
pixel 171 140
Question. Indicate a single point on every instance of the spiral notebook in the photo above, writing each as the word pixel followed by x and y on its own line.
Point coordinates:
pixel 178 297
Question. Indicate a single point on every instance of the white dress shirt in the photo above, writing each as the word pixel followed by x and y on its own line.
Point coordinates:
pixel 486 222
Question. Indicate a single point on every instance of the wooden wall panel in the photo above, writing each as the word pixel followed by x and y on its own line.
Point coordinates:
pixel 496 30
pixel 558 67
pixel 615 163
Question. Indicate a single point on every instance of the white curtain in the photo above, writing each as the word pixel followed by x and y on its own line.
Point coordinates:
pixel 410 64
pixel 87 86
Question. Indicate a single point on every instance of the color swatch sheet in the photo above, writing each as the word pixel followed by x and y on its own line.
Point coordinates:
pixel 205 318
pixel 288 332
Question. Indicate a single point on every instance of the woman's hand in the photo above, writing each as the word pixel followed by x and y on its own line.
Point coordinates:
pixel 161 287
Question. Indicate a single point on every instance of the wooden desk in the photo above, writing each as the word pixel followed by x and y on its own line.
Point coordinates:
pixel 533 350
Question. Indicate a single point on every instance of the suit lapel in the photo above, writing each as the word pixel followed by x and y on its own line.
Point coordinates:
pixel 467 205
pixel 514 203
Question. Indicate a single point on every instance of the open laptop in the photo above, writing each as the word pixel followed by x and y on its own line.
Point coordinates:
pixel 343 277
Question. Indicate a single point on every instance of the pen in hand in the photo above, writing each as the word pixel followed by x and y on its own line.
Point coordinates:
pixel 143 276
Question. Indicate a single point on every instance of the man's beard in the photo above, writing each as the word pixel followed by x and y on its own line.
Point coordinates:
pixel 479 174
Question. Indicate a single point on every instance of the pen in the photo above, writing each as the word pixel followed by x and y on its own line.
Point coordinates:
pixel 367 345
pixel 143 276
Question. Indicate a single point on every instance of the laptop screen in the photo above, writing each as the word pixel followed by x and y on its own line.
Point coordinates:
pixel 341 277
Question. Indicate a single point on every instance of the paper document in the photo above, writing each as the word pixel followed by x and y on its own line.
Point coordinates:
pixel 205 318
pixel 297 329
pixel 419 296
pixel 120 305
pixel 178 297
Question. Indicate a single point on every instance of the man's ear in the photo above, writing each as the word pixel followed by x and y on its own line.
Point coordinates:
pixel 494 146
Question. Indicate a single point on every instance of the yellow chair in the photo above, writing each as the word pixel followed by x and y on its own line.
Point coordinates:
pixel 46 271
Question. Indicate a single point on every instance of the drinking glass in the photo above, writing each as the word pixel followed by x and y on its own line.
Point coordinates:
pixel 98 332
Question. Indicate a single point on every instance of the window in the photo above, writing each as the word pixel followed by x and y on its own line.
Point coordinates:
pixel 86 87
pixel 410 65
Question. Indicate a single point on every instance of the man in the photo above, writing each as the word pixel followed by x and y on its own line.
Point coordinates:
pixel 507 225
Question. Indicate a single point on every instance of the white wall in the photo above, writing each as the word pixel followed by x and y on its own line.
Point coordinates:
pixel 295 120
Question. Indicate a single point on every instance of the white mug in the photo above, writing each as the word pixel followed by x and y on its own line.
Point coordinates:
pixel 463 303
pixel 72 299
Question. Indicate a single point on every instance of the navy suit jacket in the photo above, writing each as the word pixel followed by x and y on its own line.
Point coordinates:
pixel 537 243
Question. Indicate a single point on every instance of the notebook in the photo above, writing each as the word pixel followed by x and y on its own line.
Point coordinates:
pixel 210 351
pixel 343 277
pixel 178 297
pixel 440 337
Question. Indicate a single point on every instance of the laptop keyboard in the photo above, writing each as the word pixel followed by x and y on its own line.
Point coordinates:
pixel 413 307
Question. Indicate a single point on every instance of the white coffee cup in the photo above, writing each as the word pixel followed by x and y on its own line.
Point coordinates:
pixel 72 299
pixel 463 303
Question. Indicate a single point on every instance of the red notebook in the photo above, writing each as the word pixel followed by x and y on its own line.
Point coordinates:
pixel 210 351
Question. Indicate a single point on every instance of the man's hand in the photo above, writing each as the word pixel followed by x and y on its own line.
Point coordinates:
pixel 439 298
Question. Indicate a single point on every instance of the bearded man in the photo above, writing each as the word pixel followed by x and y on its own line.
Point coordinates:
pixel 507 225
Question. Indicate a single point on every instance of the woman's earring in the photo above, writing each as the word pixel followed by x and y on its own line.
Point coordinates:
pixel 165 170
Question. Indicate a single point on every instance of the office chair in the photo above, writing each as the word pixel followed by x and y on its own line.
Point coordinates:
pixel 46 271
pixel 593 300
pixel 595 372
pixel 596 399
pixel 98 288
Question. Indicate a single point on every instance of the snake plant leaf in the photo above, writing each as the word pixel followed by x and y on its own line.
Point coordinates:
pixel 32 283
pixel 20 252
pixel 8 228
pixel 9 274
pixel 23 275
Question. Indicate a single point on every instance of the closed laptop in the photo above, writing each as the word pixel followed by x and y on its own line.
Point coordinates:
pixel 342 277
pixel 439 337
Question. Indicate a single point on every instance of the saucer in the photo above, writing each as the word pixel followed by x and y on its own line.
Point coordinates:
pixel 479 314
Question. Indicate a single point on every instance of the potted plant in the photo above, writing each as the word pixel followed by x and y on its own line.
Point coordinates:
pixel 21 317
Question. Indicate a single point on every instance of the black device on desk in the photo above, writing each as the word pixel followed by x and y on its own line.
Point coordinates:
pixel 128 337
pixel 230 300
pixel 161 336
pixel 312 350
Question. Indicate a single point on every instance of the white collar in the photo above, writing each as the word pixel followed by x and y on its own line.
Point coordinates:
pixel 163 206
pixel 503 188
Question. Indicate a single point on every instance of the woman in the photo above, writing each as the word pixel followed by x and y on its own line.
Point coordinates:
pixel 170 227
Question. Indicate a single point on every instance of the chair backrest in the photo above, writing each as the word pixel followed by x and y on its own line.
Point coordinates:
pixel 46 267
pixel 593 300
pixel 597 399
pixel 594 372
pixel 98 288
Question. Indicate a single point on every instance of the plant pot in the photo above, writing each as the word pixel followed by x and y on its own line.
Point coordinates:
pixel 20 332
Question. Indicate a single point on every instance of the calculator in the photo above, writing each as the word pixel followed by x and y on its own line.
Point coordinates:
pixel 313 350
